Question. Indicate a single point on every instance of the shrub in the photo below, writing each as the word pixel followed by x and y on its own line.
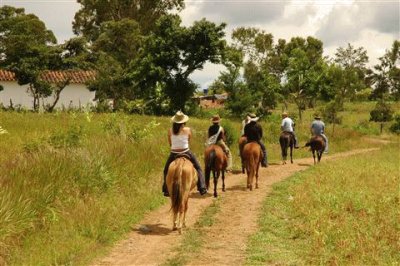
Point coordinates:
pixel 71 138
pixel 382 113
pixel 232 134
pixel 395 127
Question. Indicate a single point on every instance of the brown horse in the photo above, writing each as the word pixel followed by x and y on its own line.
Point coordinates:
pixel 242 142
pixel 215 160
pixel 287 141
pixel 316 144
pixel 252 156
pixel 181 179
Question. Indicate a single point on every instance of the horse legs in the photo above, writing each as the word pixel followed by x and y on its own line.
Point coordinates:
pixel 184 212
pixel 175 226
pixel 291 153
pixel 258 167
pixel 223 180
pixel 319 153
pixel 215 175
pixel 313 154
pixel 207 176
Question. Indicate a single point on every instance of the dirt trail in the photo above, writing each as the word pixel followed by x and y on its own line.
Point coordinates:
pixel 152 241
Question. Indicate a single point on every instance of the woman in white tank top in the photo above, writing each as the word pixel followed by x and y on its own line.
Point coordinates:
pixel 179 138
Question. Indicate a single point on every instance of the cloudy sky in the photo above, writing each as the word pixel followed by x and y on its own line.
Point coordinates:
pixel 373 24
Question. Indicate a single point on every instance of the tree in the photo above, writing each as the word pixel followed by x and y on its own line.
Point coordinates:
pixel 303 78
pixel 339 84
pixel 171 53
pixel 330 114
pixel 387 74
pixel 115 50
pixel 353 62
pixel 93 13
pixel 382 113
pixel 25 50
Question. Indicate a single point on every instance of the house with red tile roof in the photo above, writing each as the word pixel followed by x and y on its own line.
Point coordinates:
pixel 74 95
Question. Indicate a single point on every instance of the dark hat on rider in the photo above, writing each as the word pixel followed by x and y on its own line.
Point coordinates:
pixel 215 119
pixel 179 118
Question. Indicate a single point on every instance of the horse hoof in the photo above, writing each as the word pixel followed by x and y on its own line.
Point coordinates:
pixel 223 189
pixel 174 228
pixel 256 186
pixel 180 230
pixel 215 195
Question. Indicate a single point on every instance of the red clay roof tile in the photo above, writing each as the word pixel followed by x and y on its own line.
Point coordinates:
pixel 76 76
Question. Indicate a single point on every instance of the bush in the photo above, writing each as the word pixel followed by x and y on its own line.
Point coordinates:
pixel 232 134
pixel 395 127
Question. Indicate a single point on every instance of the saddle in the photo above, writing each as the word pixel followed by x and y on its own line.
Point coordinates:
pixel 182 155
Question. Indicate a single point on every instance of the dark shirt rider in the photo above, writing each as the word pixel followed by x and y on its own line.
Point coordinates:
pixel 253 132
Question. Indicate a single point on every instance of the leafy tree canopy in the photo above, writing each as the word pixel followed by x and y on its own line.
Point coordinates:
pixel 93 13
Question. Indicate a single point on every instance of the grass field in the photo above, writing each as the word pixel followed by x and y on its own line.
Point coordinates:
pixel 344 212
pixel 74 183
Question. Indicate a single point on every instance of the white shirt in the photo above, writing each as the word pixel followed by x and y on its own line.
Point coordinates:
pixel 287 124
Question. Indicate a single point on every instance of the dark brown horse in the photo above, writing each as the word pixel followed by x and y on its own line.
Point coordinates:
pixel 242 142
pixel 215 160
pixel 287 141
pixel 252 156
pixel 316 144
pixel 181 179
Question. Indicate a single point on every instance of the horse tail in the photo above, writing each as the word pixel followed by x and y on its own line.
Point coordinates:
pixel 210 163
pixel 308 144
pixel 253 166
pixel 176 187
pixel 284 145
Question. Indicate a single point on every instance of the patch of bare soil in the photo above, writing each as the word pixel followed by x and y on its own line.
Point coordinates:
pixel 152 242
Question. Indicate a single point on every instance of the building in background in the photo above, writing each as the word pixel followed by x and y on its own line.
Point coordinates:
pixel 74 95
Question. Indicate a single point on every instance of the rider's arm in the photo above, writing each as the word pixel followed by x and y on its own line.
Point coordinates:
pixel 169 137
pixel 223 135
pixel 189 133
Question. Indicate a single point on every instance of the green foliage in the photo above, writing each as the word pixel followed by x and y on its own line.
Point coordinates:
pixel 172 52
pixel 330 113
pixel 231 133
pixel 395 127
pixel 93 14
pixel 72 138
pixel 382 112
pixel 387 73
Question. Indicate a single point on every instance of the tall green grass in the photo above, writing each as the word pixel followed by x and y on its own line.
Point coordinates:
pixel 346 212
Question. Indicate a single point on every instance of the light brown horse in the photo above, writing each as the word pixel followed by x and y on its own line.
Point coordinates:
pixel 252 156
pixel 242 142
pixel 316 144
pixel 181 180
pixel 215 160
pixel 286 140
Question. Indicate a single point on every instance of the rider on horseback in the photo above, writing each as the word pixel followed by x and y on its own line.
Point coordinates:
pixel 318 128
pixel 179 137
pixel 216 135
pixel 253 132
pixel 288 126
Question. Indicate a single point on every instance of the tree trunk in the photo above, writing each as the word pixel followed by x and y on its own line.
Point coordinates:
pixel 300 117
pixel 381 128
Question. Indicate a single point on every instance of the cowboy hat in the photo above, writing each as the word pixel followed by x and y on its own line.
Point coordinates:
pixel 252 117
pixel 216 119
pixel 179 118
pixel 317 116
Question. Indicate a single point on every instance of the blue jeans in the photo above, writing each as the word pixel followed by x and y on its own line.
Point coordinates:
pixel 201 184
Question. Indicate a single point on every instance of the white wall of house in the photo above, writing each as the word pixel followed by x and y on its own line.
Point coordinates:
pixel 73 95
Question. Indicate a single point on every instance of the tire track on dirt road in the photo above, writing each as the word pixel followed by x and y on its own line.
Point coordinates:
pixel 226 240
